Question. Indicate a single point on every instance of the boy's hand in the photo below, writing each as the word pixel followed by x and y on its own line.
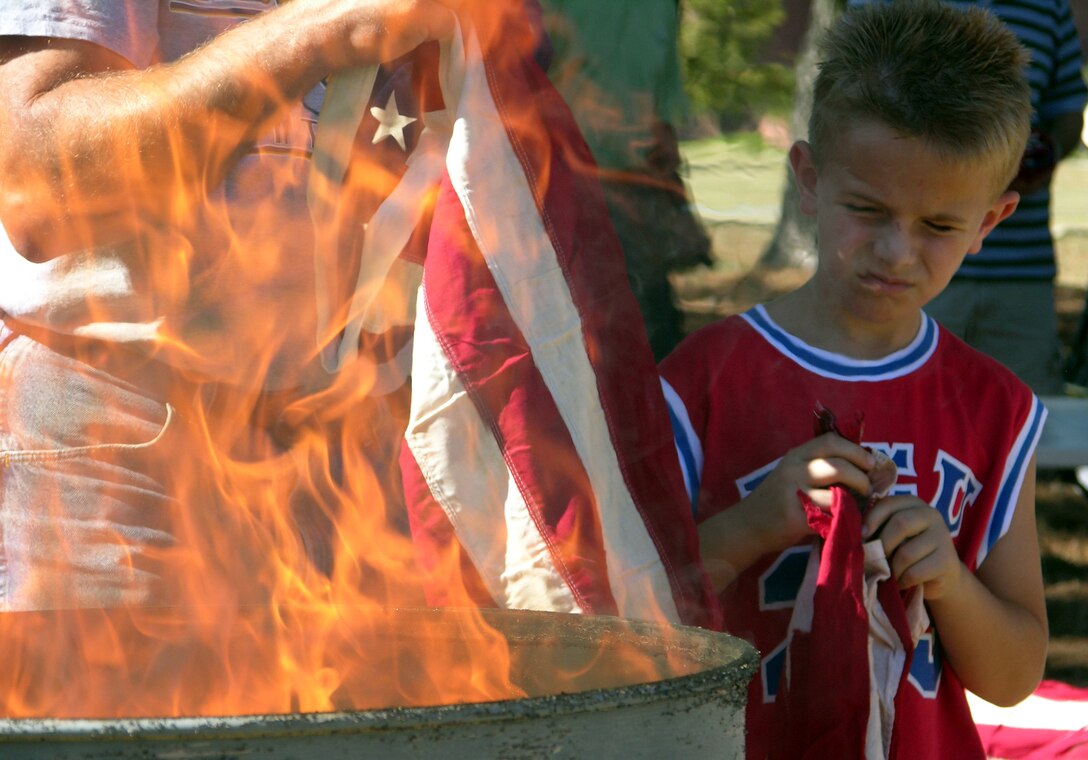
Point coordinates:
pixel 917 543
pixel 811 468
pixel 771 518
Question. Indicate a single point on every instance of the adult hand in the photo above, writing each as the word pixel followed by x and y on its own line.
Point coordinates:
pixel 374 31
pixel 65 101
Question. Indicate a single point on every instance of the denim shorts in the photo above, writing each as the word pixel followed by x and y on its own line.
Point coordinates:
pixel 112 493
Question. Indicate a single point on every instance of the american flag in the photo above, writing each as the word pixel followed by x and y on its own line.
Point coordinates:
pixel 538 462
pixel 1052 722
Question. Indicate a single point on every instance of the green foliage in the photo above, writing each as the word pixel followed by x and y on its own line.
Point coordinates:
pixel 720 46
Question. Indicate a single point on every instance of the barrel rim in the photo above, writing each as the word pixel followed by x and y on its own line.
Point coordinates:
pixel 729 679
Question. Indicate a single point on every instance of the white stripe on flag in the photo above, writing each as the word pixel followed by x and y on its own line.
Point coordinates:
pixel 1035 712
pixel 388 232
pixel 471 482
pixel 345 102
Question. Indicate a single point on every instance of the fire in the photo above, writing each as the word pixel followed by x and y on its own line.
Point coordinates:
pixel 281 551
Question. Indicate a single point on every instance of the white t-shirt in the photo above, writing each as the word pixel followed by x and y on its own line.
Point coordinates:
pixel 233 279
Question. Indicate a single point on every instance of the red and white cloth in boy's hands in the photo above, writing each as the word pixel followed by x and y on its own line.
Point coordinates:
pixel 851 627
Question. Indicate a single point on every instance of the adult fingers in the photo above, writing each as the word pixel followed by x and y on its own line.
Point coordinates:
pixel 384 30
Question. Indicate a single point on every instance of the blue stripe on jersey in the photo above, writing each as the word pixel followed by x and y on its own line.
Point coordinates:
pixel 839 367
pixel 1012 480
pixel 688 446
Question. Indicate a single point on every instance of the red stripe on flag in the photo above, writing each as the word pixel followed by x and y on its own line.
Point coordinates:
pixel 481 340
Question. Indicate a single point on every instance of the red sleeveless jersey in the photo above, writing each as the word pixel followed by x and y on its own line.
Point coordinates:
pixel 960 427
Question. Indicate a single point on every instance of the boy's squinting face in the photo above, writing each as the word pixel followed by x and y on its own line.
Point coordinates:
pixel 894 221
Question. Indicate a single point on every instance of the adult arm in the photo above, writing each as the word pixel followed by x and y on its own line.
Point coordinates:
pixel 93 149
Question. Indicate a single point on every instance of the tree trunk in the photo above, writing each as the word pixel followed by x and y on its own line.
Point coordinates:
pixel 794 241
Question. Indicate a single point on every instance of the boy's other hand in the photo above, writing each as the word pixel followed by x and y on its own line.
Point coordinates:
pixel 917 543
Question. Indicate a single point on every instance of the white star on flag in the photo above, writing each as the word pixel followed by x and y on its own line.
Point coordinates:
pixel 390 122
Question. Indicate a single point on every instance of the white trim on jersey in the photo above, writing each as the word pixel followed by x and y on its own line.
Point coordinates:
pixel 1012 478
pixel 840 367
pixel 688 446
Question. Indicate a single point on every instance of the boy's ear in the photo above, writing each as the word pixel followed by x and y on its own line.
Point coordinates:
pixel 805 175
pixel 998 212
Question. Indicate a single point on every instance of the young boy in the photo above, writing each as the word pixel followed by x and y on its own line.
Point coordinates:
pixel 920 116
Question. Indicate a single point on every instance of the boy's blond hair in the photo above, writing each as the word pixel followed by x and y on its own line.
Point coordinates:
pixel 952 77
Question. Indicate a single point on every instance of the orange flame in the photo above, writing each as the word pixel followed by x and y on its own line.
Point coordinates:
pixel 288 546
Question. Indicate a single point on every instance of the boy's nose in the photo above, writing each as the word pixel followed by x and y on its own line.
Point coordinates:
pixel 894 243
